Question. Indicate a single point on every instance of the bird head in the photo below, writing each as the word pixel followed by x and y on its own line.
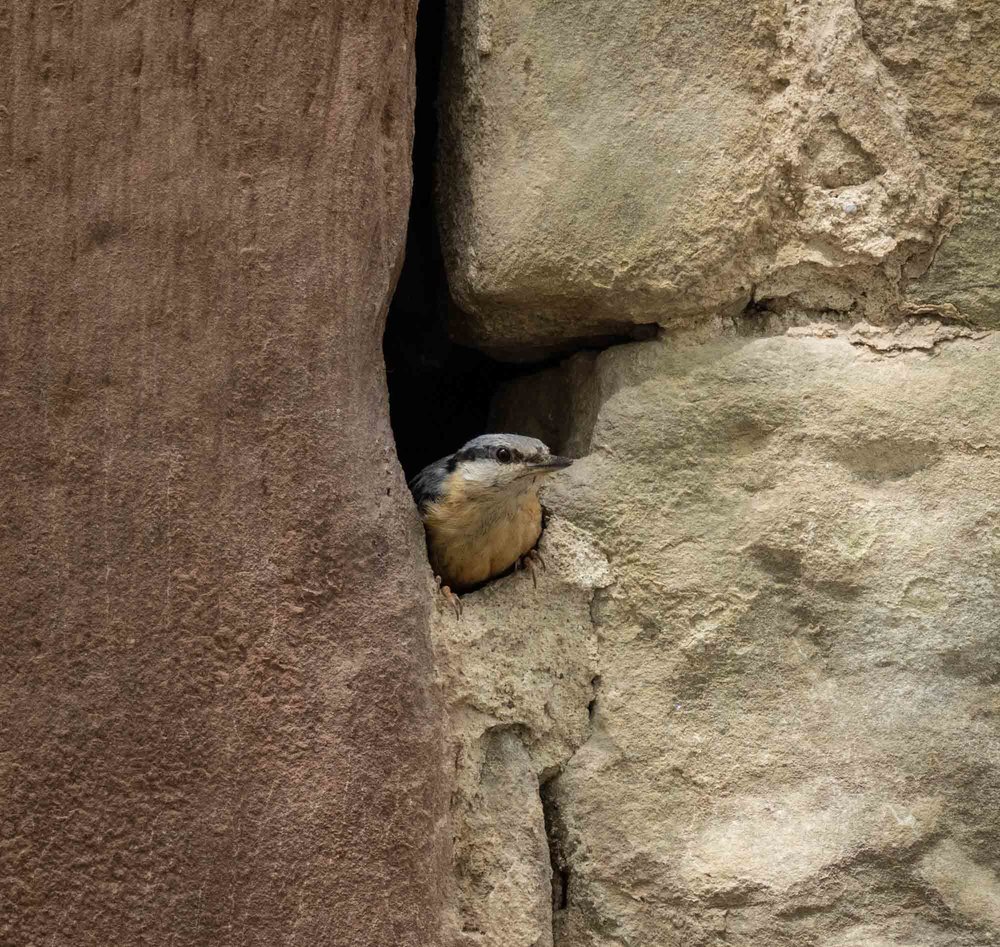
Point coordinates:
pixel 507 463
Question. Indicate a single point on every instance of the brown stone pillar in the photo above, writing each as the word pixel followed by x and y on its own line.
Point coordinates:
pixel 216 725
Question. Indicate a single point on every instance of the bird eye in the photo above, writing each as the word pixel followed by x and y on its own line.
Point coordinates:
pixel 503 455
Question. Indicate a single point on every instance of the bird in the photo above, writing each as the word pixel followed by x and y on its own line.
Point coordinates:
pixel 481 511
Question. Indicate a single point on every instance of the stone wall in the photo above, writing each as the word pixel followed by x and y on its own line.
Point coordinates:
pixel 608 164
pixel 754 700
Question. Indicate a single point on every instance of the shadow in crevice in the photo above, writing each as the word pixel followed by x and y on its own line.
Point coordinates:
pixel 554 834
pixel 439 392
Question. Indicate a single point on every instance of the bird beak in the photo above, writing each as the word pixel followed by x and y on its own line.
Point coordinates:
pixel 552 465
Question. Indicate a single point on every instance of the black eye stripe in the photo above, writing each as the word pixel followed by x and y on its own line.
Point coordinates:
pixel 504 455
pixel 489 452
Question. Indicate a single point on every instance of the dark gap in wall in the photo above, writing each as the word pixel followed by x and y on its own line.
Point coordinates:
pixel 439 392
pixel 595 686
pixel 553 832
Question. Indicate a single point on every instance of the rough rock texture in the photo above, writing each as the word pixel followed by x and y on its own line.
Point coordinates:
pixel 215 723
pixel 770 624
pixel 518 673
pixel 781 611
pixel 944 58
pixel 607 164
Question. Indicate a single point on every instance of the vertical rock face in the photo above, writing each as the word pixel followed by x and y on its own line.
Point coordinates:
pixel 215 719
pixel 648 162
pixel 796 723
pixel 757 689
pixel 518 674
pixel 790 734
pixel 944 58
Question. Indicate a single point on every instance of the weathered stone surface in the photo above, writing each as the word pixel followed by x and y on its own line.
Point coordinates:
pixel 786 633
pixel 215 718
pixel 645 162
pixel 945 58
pixel 518 673
pixel 786 637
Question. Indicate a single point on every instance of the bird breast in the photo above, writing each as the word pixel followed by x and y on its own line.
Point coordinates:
pixel 474 538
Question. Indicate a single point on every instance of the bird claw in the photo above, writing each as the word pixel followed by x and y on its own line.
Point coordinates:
pixel 528 560
pixel 450 597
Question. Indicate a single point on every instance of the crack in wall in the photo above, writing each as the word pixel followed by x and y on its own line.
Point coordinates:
pixel 560 861
pixel 559 868
pixel 911 336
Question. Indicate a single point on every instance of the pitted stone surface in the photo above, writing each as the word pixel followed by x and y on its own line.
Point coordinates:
pixel 794 711
pixel 608 165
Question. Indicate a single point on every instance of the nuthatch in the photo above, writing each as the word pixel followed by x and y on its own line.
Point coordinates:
pixel 480 508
